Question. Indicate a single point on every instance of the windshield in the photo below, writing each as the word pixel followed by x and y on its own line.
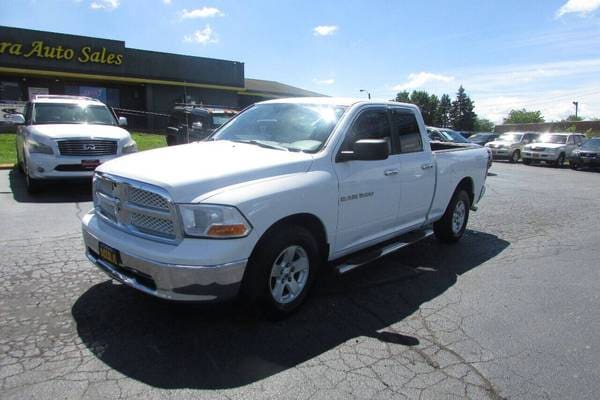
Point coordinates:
pixel 453 136
pixel 559 139
pixel 592 144
pixel 511 138
pixel 303 127
pixel 66 113
pixel 220 119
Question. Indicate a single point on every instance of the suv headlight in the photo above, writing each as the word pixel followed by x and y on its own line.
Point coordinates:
pixel 213 221
pixel 36 147
pixel 130 147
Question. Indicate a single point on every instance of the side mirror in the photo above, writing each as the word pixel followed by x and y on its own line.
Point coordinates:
pixel 16 119
pixel 122 121
pixel 197 125
pixel 367 150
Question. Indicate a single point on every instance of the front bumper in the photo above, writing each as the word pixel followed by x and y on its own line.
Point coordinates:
pixel 539 156
pixel 193 283
pixel 503 153
pixel 585 161
pixel 46 166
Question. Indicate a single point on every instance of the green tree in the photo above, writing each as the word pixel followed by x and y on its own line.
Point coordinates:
pixel 523 116
pixel 462 116
pixel 403 97
pixel 443 112
pixel 427 104
pixel 483 125
pixel 573 118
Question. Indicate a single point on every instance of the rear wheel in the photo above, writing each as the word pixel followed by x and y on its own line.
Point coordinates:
pixel 514 157
pixel 526 161
pixel 281 270
pixel 574 165
pixel 452 226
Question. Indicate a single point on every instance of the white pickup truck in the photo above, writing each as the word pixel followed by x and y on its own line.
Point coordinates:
pixel 284 189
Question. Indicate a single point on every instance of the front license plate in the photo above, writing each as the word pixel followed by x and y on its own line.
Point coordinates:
pixel 91 164
pixel 109 254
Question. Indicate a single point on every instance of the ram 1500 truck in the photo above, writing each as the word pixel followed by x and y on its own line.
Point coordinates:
pixel 284 189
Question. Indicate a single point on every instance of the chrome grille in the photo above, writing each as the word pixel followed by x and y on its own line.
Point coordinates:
pixel 87 147
pixel 141 209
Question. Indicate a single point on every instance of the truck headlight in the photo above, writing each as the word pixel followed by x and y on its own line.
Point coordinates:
pixel 213 221
pixel 40 148
pixel 130 147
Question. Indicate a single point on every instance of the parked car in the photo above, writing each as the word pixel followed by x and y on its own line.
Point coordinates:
pixel 445 135
pixel 65 137
pixel 587 155
pixel 288 187
pixel 509 145
pixel 192 122
pixel 482 138
pixel 553 148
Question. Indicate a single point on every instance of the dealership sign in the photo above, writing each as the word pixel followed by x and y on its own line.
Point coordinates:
pixel 40 50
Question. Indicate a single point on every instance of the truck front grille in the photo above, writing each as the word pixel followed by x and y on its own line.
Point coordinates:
pixel 87 147
pixel 141 209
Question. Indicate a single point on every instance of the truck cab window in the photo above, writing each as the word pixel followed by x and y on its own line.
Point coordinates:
pixel 371 124
pixel 406 130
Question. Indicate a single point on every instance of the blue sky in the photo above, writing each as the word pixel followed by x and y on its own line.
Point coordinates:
pixel 507 54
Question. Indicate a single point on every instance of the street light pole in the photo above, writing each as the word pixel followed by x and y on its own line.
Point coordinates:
pixel 368 94
pixel 576 103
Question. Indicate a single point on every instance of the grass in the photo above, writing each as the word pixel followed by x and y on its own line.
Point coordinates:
pixel 8 153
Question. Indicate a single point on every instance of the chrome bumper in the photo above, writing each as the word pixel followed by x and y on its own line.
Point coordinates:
pixel 169 281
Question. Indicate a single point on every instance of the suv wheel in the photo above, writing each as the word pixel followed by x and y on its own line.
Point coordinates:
pixel 281 270
pixel 452 226
pixel 514 157
pixel 33 185
pixel 560 160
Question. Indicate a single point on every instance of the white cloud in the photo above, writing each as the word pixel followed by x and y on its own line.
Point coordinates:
pixel 581 7
pixel 327 82
pixel 168 2
pixel 204 12
pixel 324 30
pixel 203 36
pixel 105 4
pixel 419 79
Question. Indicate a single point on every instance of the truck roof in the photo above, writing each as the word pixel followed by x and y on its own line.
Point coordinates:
pixel 337 101
pixel 51 98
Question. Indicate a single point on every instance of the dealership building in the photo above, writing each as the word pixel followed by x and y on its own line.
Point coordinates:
pixel 35 62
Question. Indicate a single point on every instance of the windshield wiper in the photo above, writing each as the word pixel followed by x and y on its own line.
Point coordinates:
pixel 264 144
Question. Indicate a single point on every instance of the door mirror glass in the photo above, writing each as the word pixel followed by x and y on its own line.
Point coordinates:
pixel 122 121
pixel 367 150
pixel 16 119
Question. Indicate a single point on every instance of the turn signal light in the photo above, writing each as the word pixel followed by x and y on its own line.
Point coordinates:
pixel 227 230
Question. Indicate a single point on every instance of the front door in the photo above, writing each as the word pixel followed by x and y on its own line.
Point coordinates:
pixel 369 191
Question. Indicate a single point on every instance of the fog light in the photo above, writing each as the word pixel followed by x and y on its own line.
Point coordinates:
pixel 40 169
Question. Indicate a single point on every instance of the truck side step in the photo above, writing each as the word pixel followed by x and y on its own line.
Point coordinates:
pixel 363 257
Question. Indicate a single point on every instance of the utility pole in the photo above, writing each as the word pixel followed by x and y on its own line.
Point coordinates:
pixel 576 103
pixel 368 93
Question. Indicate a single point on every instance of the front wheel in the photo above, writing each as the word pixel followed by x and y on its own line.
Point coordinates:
pixel 452 226
pixel 515 156
pixel 281 270
pixel 526 161
pixel 574 165
pixel 560 161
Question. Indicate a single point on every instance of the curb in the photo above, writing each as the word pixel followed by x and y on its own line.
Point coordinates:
pixel 7 166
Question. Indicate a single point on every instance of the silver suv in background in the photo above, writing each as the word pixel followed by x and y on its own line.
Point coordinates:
pixel 553 148
pixel 62 137
pixel 509 146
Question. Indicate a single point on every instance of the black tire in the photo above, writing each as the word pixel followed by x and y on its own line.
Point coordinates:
pixel 34 186
pixel 560 161
pixel 171 140
pixel 514 157
pixel 574 165
pixel 258 281
pixel 526 161
pixel 443 228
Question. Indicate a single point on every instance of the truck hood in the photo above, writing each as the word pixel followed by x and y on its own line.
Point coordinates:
pixel 88 131
pixel 501 143
pixel 547 145
pixel 189 172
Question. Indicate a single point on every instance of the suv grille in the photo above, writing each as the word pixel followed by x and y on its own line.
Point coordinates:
pixel 87 147
pixel 141 209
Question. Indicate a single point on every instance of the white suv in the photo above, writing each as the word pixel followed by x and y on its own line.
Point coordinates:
pixel 552 148
pixel 67 137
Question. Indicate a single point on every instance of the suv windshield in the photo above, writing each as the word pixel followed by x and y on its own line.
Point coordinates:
pixel 511 138
pixel 454 136
pixel 303 127
pixel 592 144
pixel 68 113
pixel 559 139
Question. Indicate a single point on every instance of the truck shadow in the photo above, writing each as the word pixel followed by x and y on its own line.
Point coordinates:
pixel 52 192
pixel 169 345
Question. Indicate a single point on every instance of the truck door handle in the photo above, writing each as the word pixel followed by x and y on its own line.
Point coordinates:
pixel 390 172
pixel 426 165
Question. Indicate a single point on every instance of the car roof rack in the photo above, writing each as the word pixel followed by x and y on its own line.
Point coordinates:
pixel 64 97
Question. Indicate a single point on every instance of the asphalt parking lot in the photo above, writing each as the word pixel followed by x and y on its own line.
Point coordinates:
pixel 512 311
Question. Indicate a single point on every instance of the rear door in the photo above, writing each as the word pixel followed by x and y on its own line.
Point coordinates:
pixel 369 191
pixel 416 169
